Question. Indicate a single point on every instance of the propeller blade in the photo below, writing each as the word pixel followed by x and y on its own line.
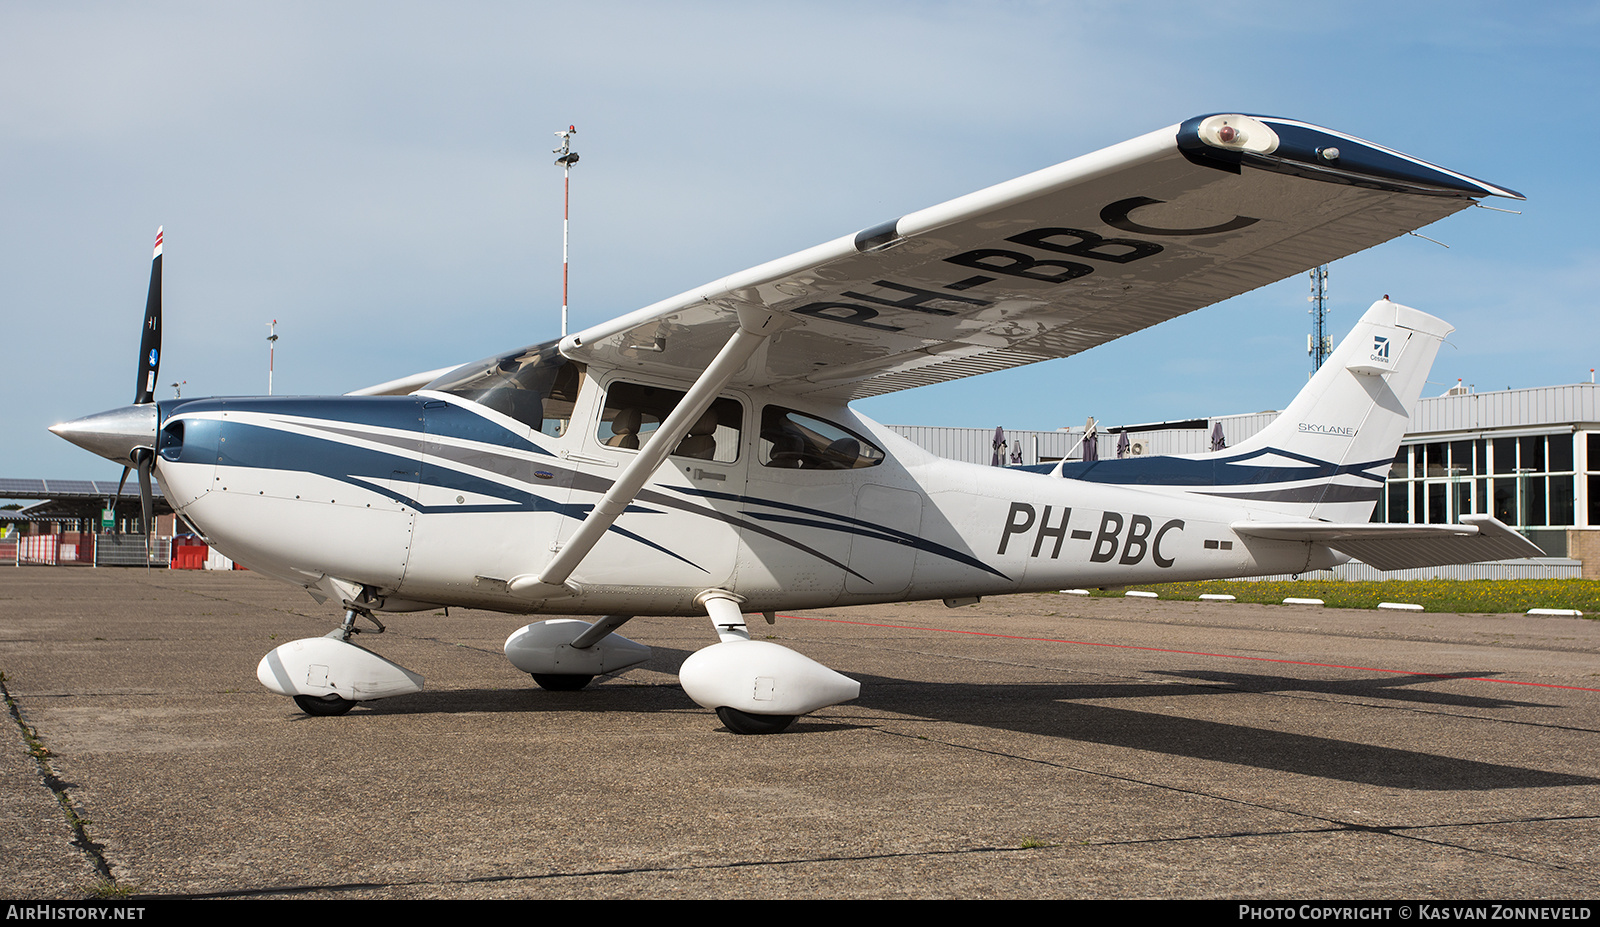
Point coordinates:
pixel 150 341
pixel 147 500
pixel 116 523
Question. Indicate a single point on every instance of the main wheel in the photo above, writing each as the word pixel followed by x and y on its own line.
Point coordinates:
pixel 560 682
pixel 743 722
pixel 326 707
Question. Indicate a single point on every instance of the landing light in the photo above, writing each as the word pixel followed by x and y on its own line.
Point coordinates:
pixel 1238 132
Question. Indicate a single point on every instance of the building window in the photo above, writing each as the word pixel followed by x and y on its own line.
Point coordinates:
pixel 1533 482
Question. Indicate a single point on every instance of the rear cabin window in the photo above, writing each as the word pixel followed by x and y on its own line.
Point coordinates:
pixel 632 411
pixel 792 440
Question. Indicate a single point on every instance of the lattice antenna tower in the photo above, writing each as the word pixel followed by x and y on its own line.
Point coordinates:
pixel 1318 344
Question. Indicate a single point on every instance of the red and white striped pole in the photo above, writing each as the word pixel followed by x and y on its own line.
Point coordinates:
pixel 567 159
pixel 272 349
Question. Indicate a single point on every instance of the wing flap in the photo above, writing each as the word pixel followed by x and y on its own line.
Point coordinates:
pixel 1046 265
pixel 1480 538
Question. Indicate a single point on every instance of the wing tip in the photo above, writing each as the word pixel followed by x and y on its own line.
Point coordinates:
pixel 1313 151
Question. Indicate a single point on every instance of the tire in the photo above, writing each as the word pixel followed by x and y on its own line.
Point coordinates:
pixel 743 722
pixel 326 707
pixel 560 682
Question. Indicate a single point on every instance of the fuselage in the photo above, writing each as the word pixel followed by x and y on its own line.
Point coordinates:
pixel 434 499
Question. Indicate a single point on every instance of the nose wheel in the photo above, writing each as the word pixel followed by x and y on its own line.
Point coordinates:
pixel 743 722
pixel 326 676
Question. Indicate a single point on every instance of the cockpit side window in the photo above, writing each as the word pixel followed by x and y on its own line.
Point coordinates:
pixel 632 411
pixel 535 386
pixel 792 440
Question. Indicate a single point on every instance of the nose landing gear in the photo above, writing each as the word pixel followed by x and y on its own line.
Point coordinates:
pixel 327 676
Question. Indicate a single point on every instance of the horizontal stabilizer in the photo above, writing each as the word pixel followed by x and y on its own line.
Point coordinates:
pixel 1477 539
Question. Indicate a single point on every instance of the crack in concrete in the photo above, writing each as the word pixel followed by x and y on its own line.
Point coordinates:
pixel 76 822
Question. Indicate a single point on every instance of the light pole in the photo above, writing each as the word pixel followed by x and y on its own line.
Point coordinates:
pixel 272 348
pixel 567 159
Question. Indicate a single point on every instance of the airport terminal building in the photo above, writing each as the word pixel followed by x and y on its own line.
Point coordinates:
pixel 1529 457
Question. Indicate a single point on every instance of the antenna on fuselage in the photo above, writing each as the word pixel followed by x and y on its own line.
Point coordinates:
pixel 567 159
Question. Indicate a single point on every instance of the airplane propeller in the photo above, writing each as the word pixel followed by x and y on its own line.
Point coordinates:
pixel 144 458
pixel 128 435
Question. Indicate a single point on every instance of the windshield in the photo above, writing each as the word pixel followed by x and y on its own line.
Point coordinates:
pixel 534 385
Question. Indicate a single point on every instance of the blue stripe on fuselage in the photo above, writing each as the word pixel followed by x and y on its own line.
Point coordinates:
pixel 1225 471
pixel 264 448
pixel 398 412
pixel 401 413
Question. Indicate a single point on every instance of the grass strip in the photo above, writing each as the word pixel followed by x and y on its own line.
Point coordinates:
pixel 1470 596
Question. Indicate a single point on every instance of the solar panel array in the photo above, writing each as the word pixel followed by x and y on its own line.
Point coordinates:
pixel 69 489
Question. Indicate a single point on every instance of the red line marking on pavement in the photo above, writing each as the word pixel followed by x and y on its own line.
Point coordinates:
pixel 1192 653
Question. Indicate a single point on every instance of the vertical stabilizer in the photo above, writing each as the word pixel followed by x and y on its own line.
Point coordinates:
pixel 1326 455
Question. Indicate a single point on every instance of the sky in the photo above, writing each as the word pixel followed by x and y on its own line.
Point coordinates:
pixel 377 177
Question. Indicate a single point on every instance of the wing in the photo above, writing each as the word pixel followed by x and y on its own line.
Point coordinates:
pixel 1051 263
pixel 403 386
pixel 1478 539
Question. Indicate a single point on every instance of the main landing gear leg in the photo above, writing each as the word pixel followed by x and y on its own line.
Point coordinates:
pixel 756 687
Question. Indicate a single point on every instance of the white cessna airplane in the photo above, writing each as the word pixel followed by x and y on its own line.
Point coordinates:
pixel 699 456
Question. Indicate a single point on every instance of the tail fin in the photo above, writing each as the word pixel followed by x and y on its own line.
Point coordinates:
pixel 1326 456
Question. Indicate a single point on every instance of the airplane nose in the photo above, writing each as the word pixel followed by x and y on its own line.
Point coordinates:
pixel 113 434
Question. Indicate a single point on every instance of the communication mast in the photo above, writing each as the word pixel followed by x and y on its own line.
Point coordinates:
pixel 567 159
pixel 1318 344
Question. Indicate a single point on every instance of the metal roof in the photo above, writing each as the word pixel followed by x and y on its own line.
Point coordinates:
pixel 1531 410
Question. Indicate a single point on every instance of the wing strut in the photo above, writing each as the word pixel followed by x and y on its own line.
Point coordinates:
pixel 755 325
